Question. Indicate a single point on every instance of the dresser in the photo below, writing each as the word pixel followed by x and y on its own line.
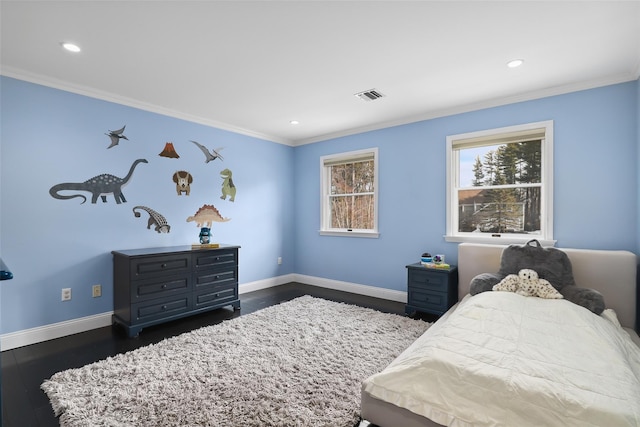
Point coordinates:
pixel 156 285
pixel 431 290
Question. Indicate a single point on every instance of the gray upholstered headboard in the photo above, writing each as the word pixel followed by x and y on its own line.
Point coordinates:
pixel 612 273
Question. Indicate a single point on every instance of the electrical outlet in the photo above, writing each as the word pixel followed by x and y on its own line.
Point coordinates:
pixel 279 260
pixel 96 291
pixel 66 294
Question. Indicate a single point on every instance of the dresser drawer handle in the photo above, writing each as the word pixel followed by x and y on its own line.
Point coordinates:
pixel 164 307
pixel 164 286
pixel 163 265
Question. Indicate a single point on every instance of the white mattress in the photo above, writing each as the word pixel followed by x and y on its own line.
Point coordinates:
pixel 501 359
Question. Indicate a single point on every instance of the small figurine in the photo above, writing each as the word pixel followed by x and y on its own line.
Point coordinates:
pixel 205 235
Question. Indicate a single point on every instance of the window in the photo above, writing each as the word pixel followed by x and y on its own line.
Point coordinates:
pixel 500 185
pixel 349 194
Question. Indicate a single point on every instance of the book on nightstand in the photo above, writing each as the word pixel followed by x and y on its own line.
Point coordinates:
pixel 442 266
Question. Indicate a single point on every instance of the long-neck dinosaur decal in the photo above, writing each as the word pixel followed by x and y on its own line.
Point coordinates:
pixel 99 185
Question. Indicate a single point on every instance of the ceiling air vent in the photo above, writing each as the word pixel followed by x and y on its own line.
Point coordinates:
pixel 369 95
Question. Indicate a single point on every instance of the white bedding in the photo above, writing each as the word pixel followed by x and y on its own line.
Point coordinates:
pixel 501 359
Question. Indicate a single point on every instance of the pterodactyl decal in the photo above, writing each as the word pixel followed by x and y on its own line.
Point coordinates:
pixel 209 156
pixel 115 136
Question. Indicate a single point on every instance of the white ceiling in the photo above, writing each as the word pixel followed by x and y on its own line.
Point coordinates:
pixel 252 66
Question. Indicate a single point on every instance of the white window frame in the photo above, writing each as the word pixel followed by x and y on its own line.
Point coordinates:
pixel 492 137
pixel 325 185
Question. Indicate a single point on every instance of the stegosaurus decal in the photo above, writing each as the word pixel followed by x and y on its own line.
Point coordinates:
pixel 207 215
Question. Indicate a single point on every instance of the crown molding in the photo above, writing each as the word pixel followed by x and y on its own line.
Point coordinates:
pixel 130 102
pixel 497 102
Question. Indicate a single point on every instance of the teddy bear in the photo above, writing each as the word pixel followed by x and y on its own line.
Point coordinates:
pixel 528 284
pixel 551 264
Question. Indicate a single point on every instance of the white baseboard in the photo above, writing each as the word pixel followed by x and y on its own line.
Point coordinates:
pixel 243 288
pixel 355 288
pixel 55 330
pixel 69 327
pixel 338 285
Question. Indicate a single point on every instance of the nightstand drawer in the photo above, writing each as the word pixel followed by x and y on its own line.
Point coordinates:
pixel 429 280
pixel 429 301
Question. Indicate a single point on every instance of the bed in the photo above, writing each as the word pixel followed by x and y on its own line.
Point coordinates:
pixel 501 359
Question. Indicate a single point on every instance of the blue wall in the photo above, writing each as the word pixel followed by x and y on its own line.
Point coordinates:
pixel 595 170
pixel 50 136
pixel 638 164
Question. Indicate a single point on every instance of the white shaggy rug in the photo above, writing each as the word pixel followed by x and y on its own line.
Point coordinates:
pixel 299 363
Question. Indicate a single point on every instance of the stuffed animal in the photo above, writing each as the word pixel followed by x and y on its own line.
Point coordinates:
pixel 527 284
pixel 551 264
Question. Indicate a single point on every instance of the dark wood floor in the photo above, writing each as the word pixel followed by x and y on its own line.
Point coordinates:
pixel 25 368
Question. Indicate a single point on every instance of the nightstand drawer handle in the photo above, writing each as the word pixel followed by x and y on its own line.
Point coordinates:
pixel 163 265
pixel 164 286
pixel 164 307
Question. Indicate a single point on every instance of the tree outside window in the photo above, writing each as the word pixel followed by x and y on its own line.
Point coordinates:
pixel 349 193
pixel 500 184
pixel 505 194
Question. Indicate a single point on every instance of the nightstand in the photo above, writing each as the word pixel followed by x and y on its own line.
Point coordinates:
pixel 431 290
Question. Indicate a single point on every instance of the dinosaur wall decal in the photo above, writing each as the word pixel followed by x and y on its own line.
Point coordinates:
pixel 115 136
pixel 99 185
pixel 209 156
pixel 228 187
pixel 155 218
pixel 207 215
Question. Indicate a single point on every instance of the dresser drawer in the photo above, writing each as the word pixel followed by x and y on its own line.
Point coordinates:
pixel 160 265
pixel 225 277
pixel 429 280
pixel 217 259
pixel 159 287
pixel 435 302
pixel 215 296
pixel 160 308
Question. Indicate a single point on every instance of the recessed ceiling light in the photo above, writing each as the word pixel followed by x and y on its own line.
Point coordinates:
pixel 294 122
pixel 70 47
pixel 515 63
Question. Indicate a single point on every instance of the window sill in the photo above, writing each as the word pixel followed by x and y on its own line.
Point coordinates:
pixel 345 233
pixel 504 239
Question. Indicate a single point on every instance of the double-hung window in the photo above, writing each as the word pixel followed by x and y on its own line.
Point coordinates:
pixel 349 193
pixel 500 185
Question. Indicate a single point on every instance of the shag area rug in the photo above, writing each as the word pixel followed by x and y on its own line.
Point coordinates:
pixel 299 363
